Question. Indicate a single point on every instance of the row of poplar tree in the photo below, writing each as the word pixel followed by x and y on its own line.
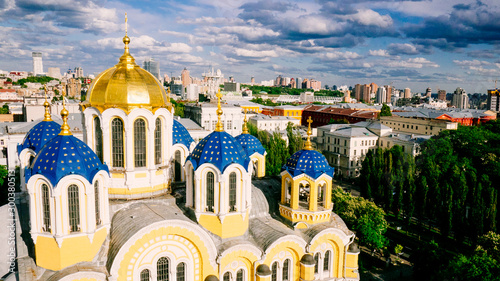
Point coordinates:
pixel 452 185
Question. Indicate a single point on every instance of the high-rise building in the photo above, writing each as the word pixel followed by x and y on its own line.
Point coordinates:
pixel 460 99
pixel 298 82
pixel 292 83
pixel 388 90
pixel 315 84
pixel 493 100
pixel 407 93
pixel 442 95
pixel 37 63
pixel 357 92
pixel 54 72
pixel 252 80
pixel 428 92
pixel 381 95
pixel 152 67
pixel 373 88
pixel 185 77
pixel 78 72
pixel 366 92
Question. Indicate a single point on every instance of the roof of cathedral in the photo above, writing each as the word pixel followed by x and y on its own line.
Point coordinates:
pixel 39 135
pixel 181 135
pixel 309 162
pixel 220 149
pixel 250 144
pixel 64 155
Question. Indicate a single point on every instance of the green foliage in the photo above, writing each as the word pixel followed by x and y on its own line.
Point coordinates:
pixel 34 79
pixel 385 111
pixel 338 121
pixel 3 174
pixel 178 107
pixel 362 216
pixel 4 109
pixel 480 266
pixel 266 102
pixel 276 148
pixel 429 260
pixel 295 142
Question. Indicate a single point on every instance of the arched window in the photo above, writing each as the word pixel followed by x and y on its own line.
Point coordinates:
pixel 98 138
pixel 117 142
pixel 145 275
pixel 326 261
pixel 321 194
pixel 158 141
pixel 162 269
pixel 274 271
pixel 227 276
pixel 74 208
pixel 177 165
pixel 140 142
pixel 239 275
pixel 286 270
pixel 46 208
pixel 232 192
pixel 288 194
pixel 316 261
pixel 304 195
pixel 97 204
pixel 210 191
pixel 181 272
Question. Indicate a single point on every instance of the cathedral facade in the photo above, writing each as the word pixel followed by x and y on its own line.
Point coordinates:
pixel 106 208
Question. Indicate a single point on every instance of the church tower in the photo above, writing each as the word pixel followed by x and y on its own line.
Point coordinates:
pixel 306 181
pixel 219 182
pixel 254 149
pixel 68 199
pixel 127 116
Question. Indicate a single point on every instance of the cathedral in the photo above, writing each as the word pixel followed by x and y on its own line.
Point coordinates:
pixel 138 199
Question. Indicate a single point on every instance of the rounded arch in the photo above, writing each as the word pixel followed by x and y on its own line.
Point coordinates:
pixel 191 233
pixel 140 137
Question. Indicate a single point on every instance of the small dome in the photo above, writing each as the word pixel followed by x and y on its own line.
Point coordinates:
pixel 307 259
pixel 263 270
pixel 219 149
pixel 181 135
pixel 126 86
pixel 39 135
pixel 309 162
pixel 250 144
pixel 211 278
pixel 64 155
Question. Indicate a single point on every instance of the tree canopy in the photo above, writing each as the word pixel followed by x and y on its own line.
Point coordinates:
pixel 385 111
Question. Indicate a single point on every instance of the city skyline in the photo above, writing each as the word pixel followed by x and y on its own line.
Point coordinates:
pixel 415 44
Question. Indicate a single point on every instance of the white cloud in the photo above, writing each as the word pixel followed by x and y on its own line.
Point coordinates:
pixel 379 53
pixel 470 62
pixel 410 63
pixel 370 17
pixel 336 55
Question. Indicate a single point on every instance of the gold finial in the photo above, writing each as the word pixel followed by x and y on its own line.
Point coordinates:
pixel 245 128
pixel 46 104
pixel 219 127
pixel 65 130
pixel 126 59
pixel 308 144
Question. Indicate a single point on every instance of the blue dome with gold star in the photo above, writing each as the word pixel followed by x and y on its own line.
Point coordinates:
pixel 181 135
pixel 39 135
pixel 250 144
pixel 309 162
pixel 65 155
pixel 220 149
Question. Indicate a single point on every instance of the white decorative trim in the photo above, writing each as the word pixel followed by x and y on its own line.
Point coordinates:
pixel 339 233
pixel 287 238
pixel 59 240
pixel 85 274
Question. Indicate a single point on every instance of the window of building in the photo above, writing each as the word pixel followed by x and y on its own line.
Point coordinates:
pixel 162 269
pixel 46 208
pixel 98 138
pixel 97 211
pixel 229 124
pixel 158 141
pixel 232 192
pixel 74 208
pixel 214 124
pixel 316 262
pixel 226 277
pixel 207 125
pixel 117 142
pixel 210 191
pixel 177 165
pixel 321 194
pixel 145 275
pixel 345 142
pixel 286 270
pixel 326 261
pixel 140 142
pixel 181 272
pixel 239 275
pixel 274 271
pixel 354 151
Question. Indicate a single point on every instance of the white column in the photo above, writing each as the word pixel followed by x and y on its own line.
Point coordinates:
pixel 106 143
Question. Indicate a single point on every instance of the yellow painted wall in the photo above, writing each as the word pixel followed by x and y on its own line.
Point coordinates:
pixel 261 165
pixel 306 272
pixel 138 190
pixel 234 225
pixel 293 248
pixel 247 257
pixel 338 251
pixel 154 239
pixel 73 250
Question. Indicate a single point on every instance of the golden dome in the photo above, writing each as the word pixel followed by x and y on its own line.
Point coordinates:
pixel 126 86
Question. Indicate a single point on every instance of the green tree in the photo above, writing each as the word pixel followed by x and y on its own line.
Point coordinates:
pixel 295 142
pixel 362 216
pixel 480 266
pixel 385 111
pixel 4 109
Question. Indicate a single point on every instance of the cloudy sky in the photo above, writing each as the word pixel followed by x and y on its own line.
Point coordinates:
pixel 416 44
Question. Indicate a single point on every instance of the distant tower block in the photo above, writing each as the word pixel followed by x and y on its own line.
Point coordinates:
pixel 37 63
pixel 252 80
